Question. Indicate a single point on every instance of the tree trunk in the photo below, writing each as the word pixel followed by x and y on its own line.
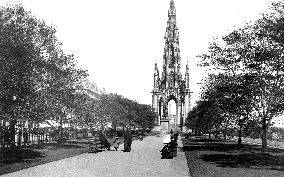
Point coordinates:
pixel 240 137
pixel 264 136
pixel 33 138
pixel 216 135
pixel 60 131
pixel 102 125
pixel 240 134
pixel 38 138
pixel 225 132
pixel 12 132
pixel 19 138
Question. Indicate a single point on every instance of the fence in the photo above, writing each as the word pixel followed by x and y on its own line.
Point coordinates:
pixel 24 138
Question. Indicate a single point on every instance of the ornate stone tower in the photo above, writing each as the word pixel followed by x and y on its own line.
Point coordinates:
pixel 170 85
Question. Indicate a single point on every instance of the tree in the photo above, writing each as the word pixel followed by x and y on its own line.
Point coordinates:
pixel 256 51
pixel 146 116
pixel 215 103
pixel 225 56
pixel 197 118
pixel 116 110
pixel 238 100
pixel 263 57
pixel 82 113
pixel 37 78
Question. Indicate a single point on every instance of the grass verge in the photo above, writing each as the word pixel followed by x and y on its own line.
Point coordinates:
pixel 20 158
pixel 215 158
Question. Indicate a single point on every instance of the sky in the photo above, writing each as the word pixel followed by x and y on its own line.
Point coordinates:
pixel 119 41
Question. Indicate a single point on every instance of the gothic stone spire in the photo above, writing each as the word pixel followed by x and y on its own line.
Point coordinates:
pixel 171 57
pixel 171 85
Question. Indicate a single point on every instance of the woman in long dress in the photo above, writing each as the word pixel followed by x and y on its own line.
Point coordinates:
pixel 127 140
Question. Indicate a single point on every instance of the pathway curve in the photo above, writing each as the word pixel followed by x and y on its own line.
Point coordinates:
pixel 143 160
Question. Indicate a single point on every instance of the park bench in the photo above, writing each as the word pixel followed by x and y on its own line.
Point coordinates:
pixel 95 145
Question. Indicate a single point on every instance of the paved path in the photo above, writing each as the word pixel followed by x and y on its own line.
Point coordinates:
pixel 143 160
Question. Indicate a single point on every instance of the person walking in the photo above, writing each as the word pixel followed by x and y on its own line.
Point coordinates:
pixel 127 140
pixel 116 143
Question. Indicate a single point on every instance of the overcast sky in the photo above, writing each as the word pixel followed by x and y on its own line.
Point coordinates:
pixel 119 41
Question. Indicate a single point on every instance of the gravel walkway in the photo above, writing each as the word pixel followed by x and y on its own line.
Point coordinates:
pixel 143 160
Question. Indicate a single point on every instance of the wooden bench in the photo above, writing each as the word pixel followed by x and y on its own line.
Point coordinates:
pixel 95 145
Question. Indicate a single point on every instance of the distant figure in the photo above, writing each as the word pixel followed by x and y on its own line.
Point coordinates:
pixel 172 131
pixel 127 140
pixel 116 143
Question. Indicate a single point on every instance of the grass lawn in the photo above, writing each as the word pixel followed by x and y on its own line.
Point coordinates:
pixel 213 158
pixel 18 159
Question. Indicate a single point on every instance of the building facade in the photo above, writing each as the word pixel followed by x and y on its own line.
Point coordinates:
pixel 170 85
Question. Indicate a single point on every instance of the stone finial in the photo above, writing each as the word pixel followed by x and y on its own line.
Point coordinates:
pixel 172 5
pixel 156 69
